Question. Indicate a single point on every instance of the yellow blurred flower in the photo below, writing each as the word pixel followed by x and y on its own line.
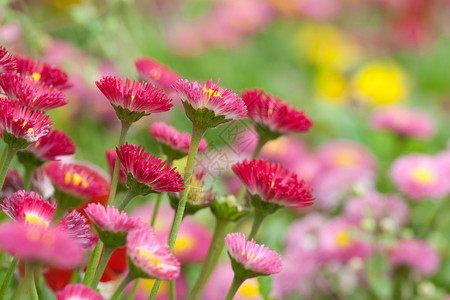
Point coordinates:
pixel 381 83
pixel 331 86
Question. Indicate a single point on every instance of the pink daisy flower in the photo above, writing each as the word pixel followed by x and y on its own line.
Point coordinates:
pixel 147 173
pixel 48 147
pixel 134 99
pixel 7 62
pixel 417 254
pixel 175 144
pixel 272 114
pixel 42 72
pixel 112 226
pixel 29 93
pixel 111 156
pixel 50 246
pixel 404 121
pixel 28 208
pixel 256 260
pixel 78 292
pixel 149 258
pixel 420 176
pixel 273 183
pixel 13 183
pixel 75 224
pixel 21 125
pixel 209 105
pixel 156 73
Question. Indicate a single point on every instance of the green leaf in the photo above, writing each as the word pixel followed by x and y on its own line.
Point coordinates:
pixel 377 276
pixel 265 287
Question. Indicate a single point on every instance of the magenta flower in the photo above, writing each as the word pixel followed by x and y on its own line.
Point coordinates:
pixel 416 254
pixel 209 105
pixel 147 173
pixel 28 208
pixel 156 73
pixel 29 93
pixel 49 75
pixel 175 144
pixel 273 183
pixel 149 258
pixel 50 246
pixel 111 156
pixel 133 100
pixel 21 125
pixel 420 176
pixel 112 226
pixel 7 62
pixel 75 224
pixel 272 114
pixel 78 292
pixel 256 259
pixel 404 121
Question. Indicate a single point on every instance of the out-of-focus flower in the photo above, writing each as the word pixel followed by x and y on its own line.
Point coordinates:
pixel 174 144
pixel 404 121
pixel 111 156
pixel 209 105
pixel 420 176
pixel 416 254
pixel 78 291
pixel 149 258
pixel 50 246
pixel 381 83
pixel 7 62
pixel 111 225
pixel 75 224
pixel 315 9
pixel 272 116
pixel 147 173
pixel 156 73
pixel 145 287
pixel 28 208
pixel 49 147
pixel 21 125
pixel 331 85
pixel 134 99
pixel 250 259
pixel 13 183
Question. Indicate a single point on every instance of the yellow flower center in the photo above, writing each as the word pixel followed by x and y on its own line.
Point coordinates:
pixel 278 146
pixel 150 257
pixel 148 285
pixel 208 93
pixel 31 219
pixel 249 288
pixel 250 256
pixel 155 74
pixel 35 234
pixel 345 159
pixel 343 239
pixel 36 76
pixel 184 244
pixel 75 179
pixel 424 175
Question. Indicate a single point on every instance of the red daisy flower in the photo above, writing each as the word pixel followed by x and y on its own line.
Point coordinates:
pixel 201 100
pixel 147 173
pixel 36 95
pixel 133 100
pixel 21 125
pixel 7 62
pixel 75 224
pixel 273 183
pixel 272 114
pixel 49 75
pixel 156 73
pixel 175 144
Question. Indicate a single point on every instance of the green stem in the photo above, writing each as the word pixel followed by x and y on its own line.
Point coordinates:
pixel 155 210
pixel 8 277
pixel 32 286
pixel 121 287
pixel 10 152
pixel 172 290
pixel 26 284
pixel 133 289
pixel 259 217
pixel 213 251
pixel 197 134
pixel 234 288
pixel 115 178
pixel 93 263
pixel 128 197
pixel 107 252
pixel 29 169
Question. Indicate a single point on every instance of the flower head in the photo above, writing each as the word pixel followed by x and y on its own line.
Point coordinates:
pixel 42 72
pixel 38 95
pixel 256 260
pixel 273 183
pixel 112 225
pixel 78 292
pixel 134 99
pixel 50 246
pixel 147 173
pixel 272 114
pixel 149 258
pixel 111 156
pixel 75 224
pixel 21 125
pixel 175 144
pixel 7 62
pixel 209 105
pixel 156 73
pixel 28 208
pixel 13 183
